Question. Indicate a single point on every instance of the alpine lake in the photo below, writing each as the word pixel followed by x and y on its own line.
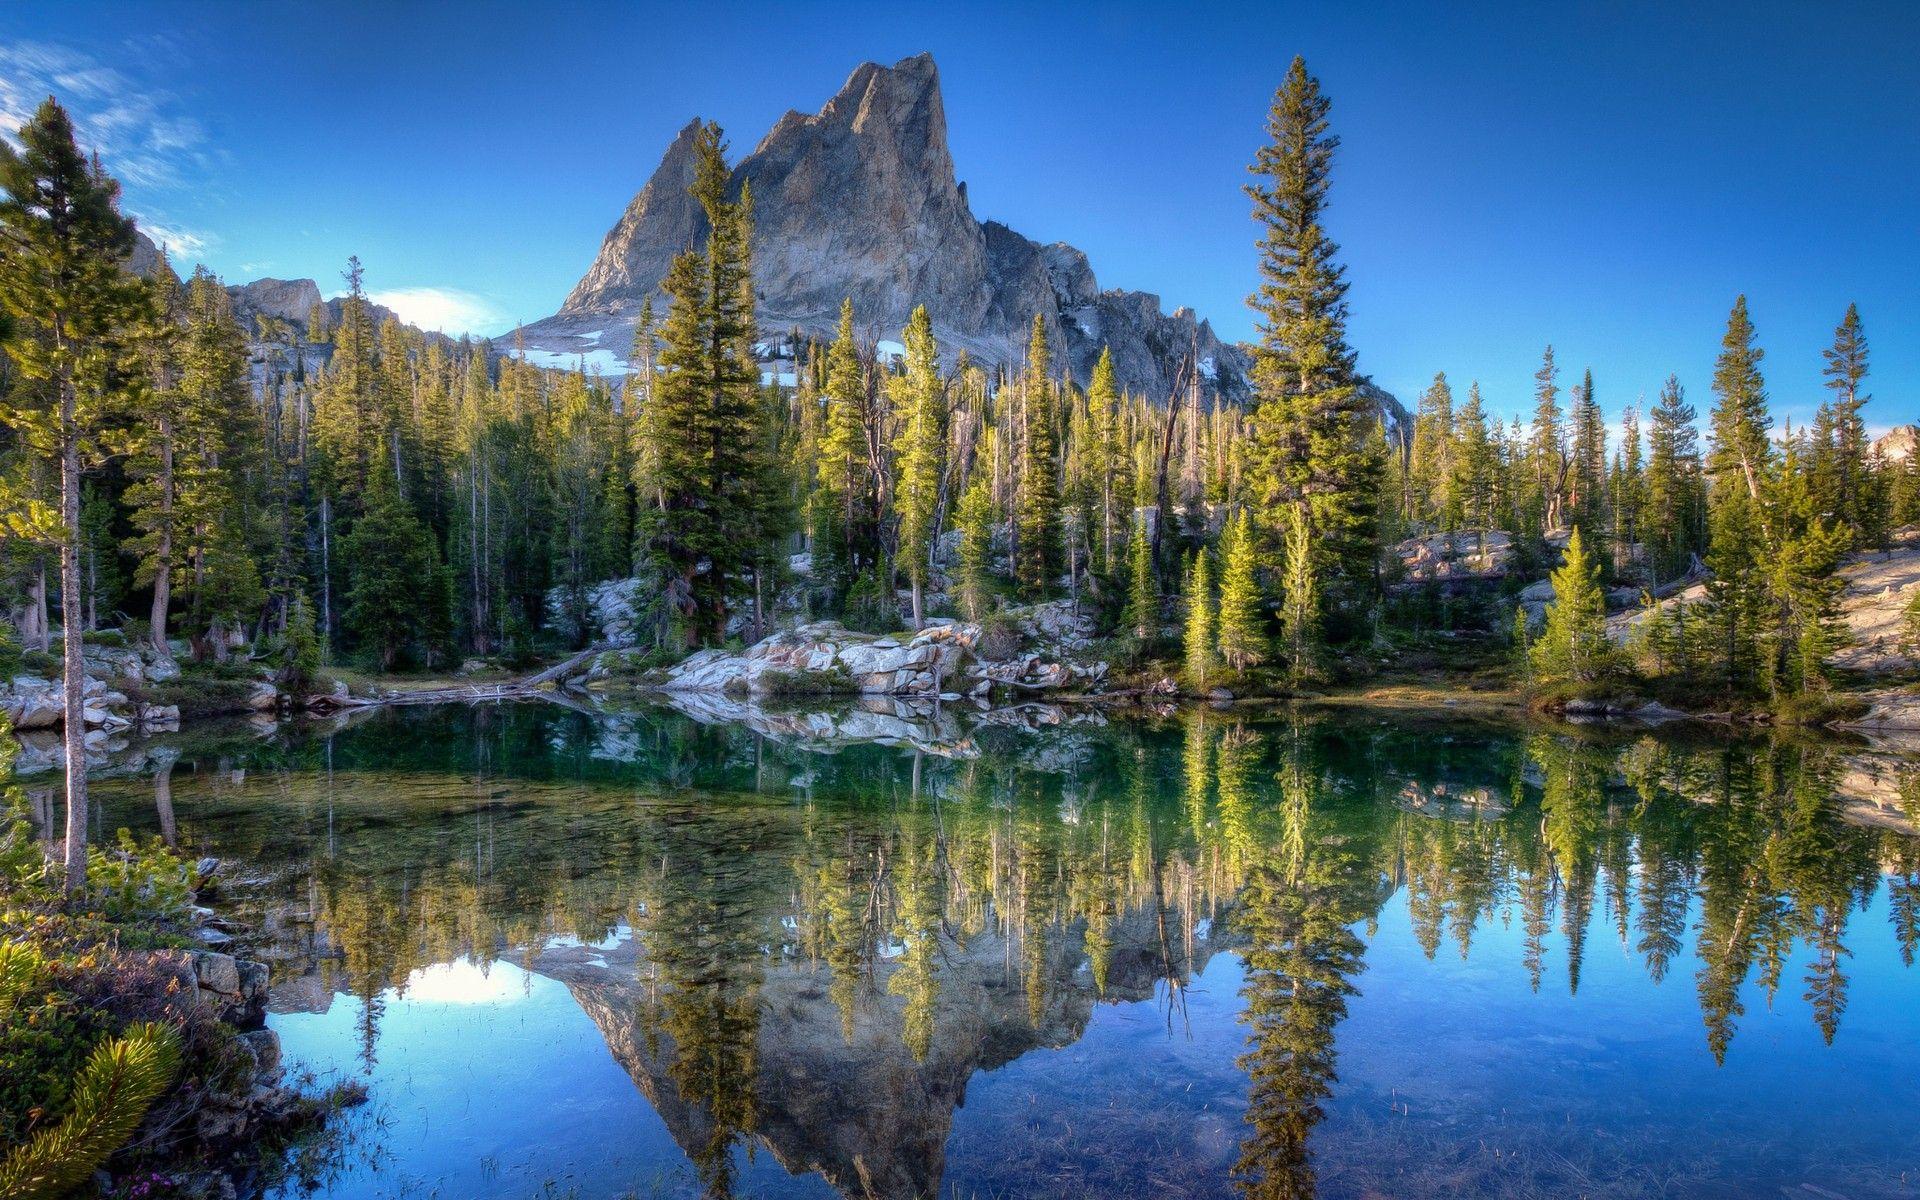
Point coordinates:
pixel 870 951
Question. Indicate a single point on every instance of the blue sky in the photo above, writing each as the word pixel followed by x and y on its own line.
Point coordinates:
pixel 1604 177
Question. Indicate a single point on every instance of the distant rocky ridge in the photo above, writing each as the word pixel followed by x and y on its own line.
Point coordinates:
pixel 861 200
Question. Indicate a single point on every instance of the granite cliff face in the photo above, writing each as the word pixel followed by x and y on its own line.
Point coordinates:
pixel 861 200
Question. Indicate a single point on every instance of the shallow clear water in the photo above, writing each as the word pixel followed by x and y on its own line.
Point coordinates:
pixel 641 954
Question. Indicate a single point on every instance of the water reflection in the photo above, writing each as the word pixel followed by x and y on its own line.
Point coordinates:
pixel 807 949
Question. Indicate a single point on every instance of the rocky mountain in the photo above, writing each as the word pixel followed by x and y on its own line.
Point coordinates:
pixel 861 199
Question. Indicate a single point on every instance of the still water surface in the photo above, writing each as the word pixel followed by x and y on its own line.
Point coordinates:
pixel 636 953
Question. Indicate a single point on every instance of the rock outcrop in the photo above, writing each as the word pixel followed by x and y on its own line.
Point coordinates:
pixel 861 200
pixel 942 661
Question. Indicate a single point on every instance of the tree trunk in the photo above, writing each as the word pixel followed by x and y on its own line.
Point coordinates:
pixel 919 620
pixel 75 681
pixel 163 550
pixel 40 638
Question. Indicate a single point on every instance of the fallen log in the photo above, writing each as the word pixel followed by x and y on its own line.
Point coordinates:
pixel 532 685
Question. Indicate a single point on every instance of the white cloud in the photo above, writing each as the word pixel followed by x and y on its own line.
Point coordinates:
pixel 448 310
pixel 134 128
pixel 183 246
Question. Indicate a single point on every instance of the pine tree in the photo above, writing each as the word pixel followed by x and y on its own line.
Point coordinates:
pixel 1107 456
pixel 713 457
pixel 1588 458
pixel 1475 465
pixel 976 548
pixel 1740 452
pixel 1199 635
pixel 1242 637
pixel 842 531
pixel 1674 496
pixel 1311 428
pixel 390 558
pixel 920 399
pixel 1546 447
pixel 1430 470
pixel 1573 647
pixel 1300 632
pixel 1038 554
pixel 1143 590
pixel 1845 371
pixel 69 307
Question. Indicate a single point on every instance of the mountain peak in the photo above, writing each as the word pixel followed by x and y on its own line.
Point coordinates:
pixel 861 200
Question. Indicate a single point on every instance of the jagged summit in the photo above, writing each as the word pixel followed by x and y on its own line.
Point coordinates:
pixel 861 199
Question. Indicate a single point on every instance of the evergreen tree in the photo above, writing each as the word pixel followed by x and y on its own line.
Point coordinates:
pixel 1107 456
pixel 1242 637
pixel 1143 590
pixel 1311 427
pixel 1846 371
pixel 976 549
pixel 1675 501
pixel 1038 554
pixel 843 529
pixel 1300 602
pixel 1475 465
pixel 1199 636
pixel 1573 647
pixel 921 446
pixel 1740 453
pixel 1546 447
pixel 712 460
pixel 1588 458
pixel 68 304
pixel 390 559
pixel 1430 469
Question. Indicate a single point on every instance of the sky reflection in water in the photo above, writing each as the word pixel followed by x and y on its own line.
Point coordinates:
pixel 1211 955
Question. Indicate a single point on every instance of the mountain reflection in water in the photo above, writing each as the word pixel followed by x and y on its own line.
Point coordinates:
pixel 1202 955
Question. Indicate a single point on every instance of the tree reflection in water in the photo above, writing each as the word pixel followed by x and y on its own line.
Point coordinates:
pixel 965 907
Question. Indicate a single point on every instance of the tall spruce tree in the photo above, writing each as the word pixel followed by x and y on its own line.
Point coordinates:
pixel 711 464
pixel 1311 428
pixel 69 307
pixel 1846 372
pixel 1675 500
pixel 1038 553
pixel 1198 636
pixel 1241 622
pixel 920 399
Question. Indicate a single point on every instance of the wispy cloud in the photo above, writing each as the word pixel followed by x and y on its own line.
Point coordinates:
pixel 184 246
pixel 448 310
pixel 145 141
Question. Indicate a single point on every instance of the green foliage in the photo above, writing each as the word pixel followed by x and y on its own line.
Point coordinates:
pixel 976 550
pixel 715 509
pixel 301 651
pixel 121 1079
pixel 1300 598
pixel 138 880
pixel 1038 554
pixel 834 681
pixel 1314 433
pixel 10 653
pixel 1143 587
pixel 1242 635
pixel 1199 636
pixel 1573 646
pixel 390 556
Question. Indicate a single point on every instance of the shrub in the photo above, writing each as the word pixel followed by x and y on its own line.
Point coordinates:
pixel 39 662
pixel 104 637
pixel 137 880
pixel 999 637
pixel 834 681
pixel 10 651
